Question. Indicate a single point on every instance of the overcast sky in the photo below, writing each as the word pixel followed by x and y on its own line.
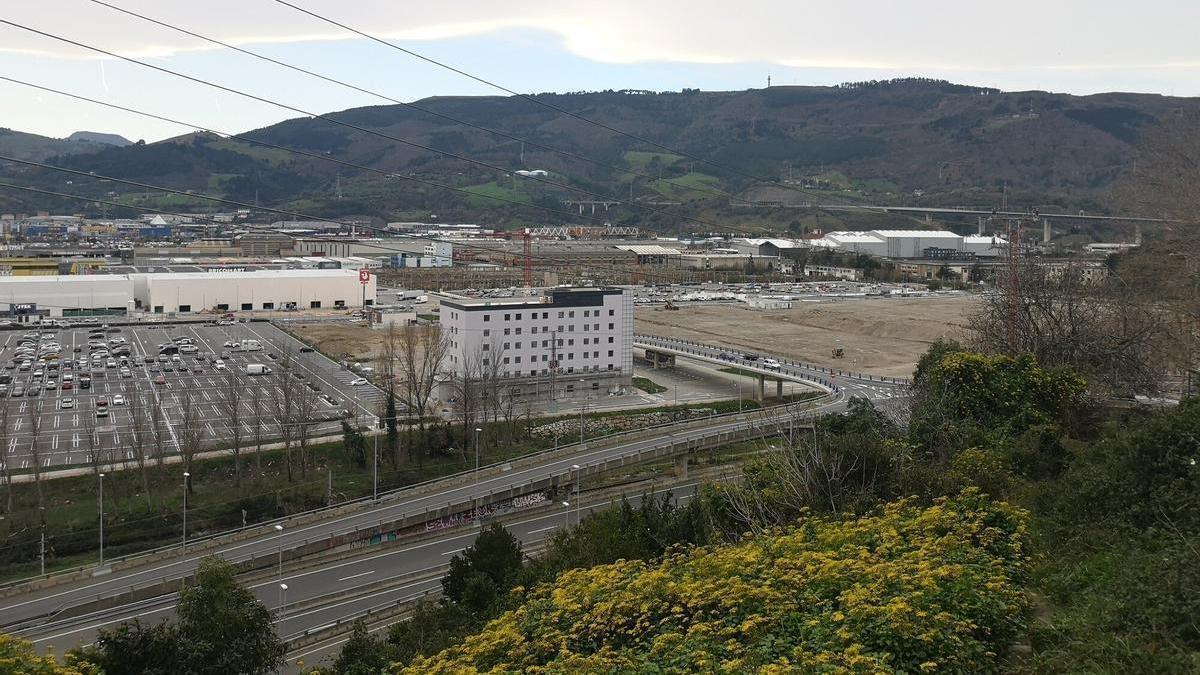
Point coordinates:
pixel 567 45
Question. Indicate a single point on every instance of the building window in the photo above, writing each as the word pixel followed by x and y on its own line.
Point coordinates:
pixel 611 312
pixel 507 331
pixel 571 328
pixel 487 347
pixel 533 372
pixel 518 331
pixel 560 315
pixel 268 305
pixel 610 326
pixel 486 331
pixel 570 356
pixel 610 366
pixel 571 370
pixel 595 326
pixel 610 340
pixel 506 346
pixel 506 360
pixel 508 317
pixel 595 355
pixel 571 342
pixel 518 317
pixel 610 353
pixel 486 362
pixel 487 317
pixel 340 304
pixel 516 359
pixel 545 315
pixel 185 308
pixel 158 309
pixel 315 304
pixel 571 314
pixel 585 327
pixel 544 357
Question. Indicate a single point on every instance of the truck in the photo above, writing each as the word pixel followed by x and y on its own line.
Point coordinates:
pixel 257 369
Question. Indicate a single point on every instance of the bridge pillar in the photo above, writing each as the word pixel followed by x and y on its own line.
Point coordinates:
pixel 779 389
pixel 681 466
pixel 758 390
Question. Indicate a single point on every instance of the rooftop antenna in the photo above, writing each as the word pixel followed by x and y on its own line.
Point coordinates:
pixel 768 80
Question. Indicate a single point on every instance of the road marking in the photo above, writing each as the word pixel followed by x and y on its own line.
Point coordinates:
pixel 74 440
pixel 355 576
pixel 543 529
pixel 54 442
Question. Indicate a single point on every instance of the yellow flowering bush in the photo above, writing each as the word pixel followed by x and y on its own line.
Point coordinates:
pixel 912 589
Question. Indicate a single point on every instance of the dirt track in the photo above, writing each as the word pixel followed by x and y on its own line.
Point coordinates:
pixel 880 336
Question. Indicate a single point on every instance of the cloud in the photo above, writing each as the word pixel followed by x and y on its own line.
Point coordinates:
pixel 879 34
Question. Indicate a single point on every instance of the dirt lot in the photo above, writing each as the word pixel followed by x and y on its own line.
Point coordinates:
pixel 880 336
pixel 353 341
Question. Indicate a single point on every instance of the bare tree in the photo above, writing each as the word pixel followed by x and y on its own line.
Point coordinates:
pixel 283 406
pixel 191 434
pixel 258 412
pixel 305 411
pixel 92 438
pixel 5 439
pixel 138 437
pixel 35 455
pixel 421 352
pixel 1102 328
pixel 388 358
pixel 231 405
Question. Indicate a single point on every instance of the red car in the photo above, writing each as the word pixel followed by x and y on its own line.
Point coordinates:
pixel 101 401
pixel 160 380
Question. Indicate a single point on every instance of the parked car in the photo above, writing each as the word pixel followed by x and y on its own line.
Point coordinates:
pixel 118 399
pixel 67 403
pixel 160 380
pixel 358 381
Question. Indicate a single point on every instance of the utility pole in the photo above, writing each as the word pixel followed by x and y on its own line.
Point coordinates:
pixel 186 476
pixel 102 520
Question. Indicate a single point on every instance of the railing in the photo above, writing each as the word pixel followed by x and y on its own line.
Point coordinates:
pixel 202 543
pixel 699 349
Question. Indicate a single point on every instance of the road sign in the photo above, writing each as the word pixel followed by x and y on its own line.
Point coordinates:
pixel 364 276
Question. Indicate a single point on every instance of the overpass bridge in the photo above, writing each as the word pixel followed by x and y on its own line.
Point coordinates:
pixel 664 350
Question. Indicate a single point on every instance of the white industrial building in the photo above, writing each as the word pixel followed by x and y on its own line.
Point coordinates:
pixel 569 342
pixel 409 252
pixel 910 243
pixel 166 293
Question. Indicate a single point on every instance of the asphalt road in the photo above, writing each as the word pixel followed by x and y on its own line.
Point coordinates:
pixel 45 602
pixel 63 426
pixel 317 598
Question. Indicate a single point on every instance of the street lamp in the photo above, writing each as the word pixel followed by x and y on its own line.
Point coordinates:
pixel 581 409
pixel 186 476
pixel 101 520
pixel 576 468
pixel 478 431
pixel 282 598
pixel 375 469
pixel 566 514
pixel 279 543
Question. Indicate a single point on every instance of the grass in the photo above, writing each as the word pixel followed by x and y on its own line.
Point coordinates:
pixel 258 152
pixel 647 385
pixel 488 194
pixel 640 160
pixel 738 371
pixel 429 317
pixel 688 186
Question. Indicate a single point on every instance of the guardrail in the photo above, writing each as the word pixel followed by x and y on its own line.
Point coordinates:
pixel 667 343
pixel 207 543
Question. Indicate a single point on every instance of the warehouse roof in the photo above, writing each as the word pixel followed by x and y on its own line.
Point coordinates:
pixel 924 234
pixel 251 275
pixel 649 249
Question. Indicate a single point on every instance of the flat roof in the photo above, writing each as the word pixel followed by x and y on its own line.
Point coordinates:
pixel 252 274
pixel 915 233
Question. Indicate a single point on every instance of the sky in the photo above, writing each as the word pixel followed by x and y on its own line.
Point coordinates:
pixel 1065 46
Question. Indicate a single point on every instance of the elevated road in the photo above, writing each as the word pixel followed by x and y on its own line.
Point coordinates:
pixel 66 611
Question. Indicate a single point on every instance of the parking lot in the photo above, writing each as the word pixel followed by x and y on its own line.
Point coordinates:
pixel 158 392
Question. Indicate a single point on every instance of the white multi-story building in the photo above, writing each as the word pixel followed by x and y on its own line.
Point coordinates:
pixel 549 346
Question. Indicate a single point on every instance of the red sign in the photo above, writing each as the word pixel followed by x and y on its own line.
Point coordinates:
pixel 364 276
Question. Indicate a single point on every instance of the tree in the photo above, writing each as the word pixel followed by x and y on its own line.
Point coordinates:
pixel 5 437
pixel 485 570
pixel 18 656
pixel 137 416
pixel 228 629
pixel 421 351
pixel 221 628
pixel 231 404
pixel 387 371
pixel 257 412
pixel 283 406
pixel 355 444
pixel 35 432
pixel 362 654
pixel 191 435
pixel 134 648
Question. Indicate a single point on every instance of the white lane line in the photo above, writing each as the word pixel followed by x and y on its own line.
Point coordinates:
pixel 355 576
pixel 543 529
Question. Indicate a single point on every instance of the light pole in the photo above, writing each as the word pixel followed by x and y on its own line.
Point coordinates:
pixel 186 476
pixel 478 431
pixel 566 514
pixel 576 468
pixel 581 409
pixel 102 520
pixel 739 386
pixel 282 599
pixel 279 543
pixel 375 469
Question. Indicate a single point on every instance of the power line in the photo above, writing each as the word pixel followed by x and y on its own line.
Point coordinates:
pixel 348 125
pixel 545 104
pixel 332 80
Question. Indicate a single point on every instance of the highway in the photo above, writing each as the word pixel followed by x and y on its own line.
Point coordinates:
pixel 317 598
pixel 31 614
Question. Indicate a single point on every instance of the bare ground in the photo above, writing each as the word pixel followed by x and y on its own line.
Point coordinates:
pixel 882 336
pixel 352 341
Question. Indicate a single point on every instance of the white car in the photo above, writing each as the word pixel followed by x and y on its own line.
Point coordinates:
pixel 67 403
pixel 771 364
pixel 358 381
pixel 219 364
pixel 230 344
pixel 118 399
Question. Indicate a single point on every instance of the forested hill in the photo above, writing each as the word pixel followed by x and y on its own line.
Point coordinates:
pixel 877 142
